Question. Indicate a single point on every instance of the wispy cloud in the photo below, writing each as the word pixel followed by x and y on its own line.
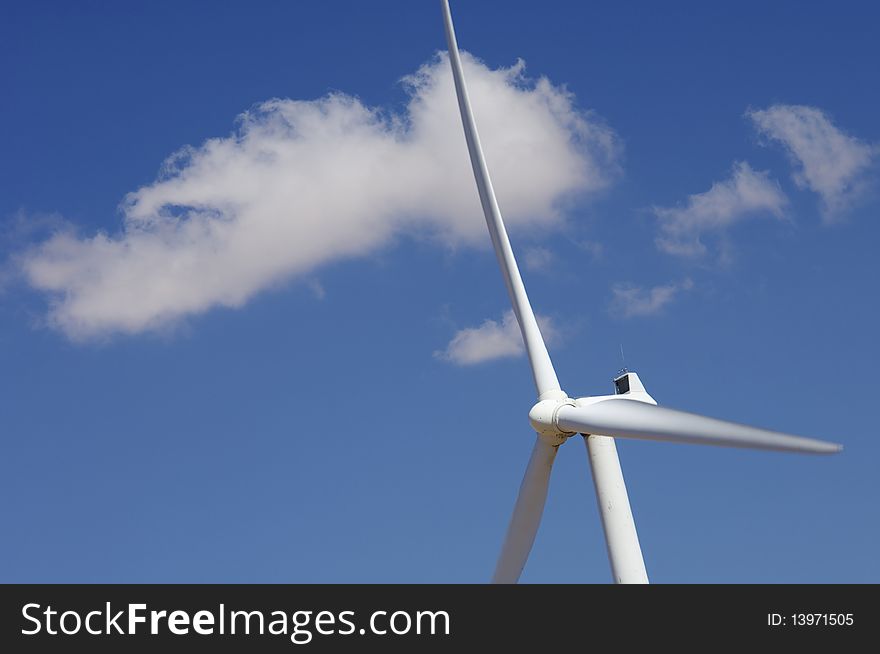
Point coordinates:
pixel 745 194
pixel 630 301
pixel 595 249
pixel 304 183
pixel 830 162
pixel 538 258
pixel 317 289
pixel 492 340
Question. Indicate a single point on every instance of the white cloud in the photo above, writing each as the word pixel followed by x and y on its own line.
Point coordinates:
pixel 317 288
pixel 593 248
pixel 538 258
pixel 492 340
pixel 744 195
pixel 831 163
pixel 303 183
pixel 630 301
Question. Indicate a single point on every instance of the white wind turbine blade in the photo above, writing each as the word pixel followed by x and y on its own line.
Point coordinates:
pixel 527 514
pixel 533 491
pixel 633 419
pixel 542 368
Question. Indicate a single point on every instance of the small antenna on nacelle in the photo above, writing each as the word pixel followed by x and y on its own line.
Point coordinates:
pixel 623 360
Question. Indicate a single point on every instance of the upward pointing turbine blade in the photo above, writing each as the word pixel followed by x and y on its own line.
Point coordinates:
pixel 542 368
pixel 533 491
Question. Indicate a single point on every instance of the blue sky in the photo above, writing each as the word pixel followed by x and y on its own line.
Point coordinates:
pixel 243 367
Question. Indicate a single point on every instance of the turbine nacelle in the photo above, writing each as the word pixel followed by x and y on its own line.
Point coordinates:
pixel 627 385
pixel 544 415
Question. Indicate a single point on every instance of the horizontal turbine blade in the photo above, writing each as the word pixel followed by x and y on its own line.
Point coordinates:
pixel 633 419
pixel 526 514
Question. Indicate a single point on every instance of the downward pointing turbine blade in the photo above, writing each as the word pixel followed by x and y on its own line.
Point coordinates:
pixel 542 368
pixel 526 514
pixel 633 419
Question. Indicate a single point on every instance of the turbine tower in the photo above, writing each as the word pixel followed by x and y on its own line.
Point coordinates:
pixel 630 413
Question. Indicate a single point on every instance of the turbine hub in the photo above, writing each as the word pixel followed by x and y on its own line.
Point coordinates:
pixel 543 419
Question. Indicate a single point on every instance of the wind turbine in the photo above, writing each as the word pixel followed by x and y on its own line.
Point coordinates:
pixel 630 413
